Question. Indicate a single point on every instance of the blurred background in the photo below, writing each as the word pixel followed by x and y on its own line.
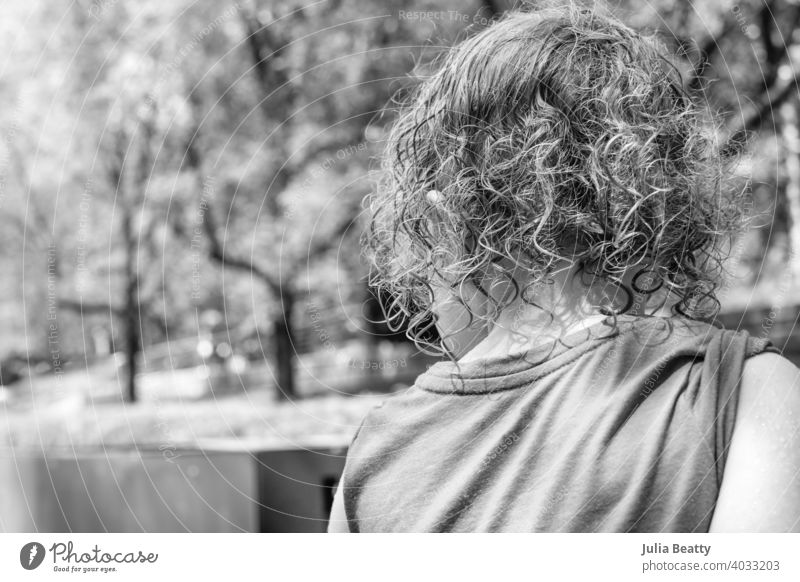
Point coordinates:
pixel 187 338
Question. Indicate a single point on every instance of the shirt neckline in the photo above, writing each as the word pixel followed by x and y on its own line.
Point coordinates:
pixel 500 373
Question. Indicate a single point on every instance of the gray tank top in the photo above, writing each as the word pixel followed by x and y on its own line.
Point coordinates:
pixel 620 431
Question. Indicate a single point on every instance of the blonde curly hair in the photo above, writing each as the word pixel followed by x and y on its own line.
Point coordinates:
pixel 553 135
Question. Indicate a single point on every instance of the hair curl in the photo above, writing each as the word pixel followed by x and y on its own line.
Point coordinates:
pixel 553 135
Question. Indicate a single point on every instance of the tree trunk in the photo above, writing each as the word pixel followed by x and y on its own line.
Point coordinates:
pixel 133 341
pixel 283 337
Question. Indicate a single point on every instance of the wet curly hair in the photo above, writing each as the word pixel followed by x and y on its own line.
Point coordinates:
pixel 557 134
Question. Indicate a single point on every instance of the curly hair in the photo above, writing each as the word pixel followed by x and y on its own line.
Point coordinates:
pixel 557 134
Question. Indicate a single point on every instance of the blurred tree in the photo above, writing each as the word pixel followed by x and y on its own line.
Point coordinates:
pixel 164 160
pixel 319 77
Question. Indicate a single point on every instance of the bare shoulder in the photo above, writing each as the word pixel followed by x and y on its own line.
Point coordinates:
pixel 761 484
pixel 770 390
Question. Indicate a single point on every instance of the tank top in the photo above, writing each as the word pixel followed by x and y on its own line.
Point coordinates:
pixel 615 428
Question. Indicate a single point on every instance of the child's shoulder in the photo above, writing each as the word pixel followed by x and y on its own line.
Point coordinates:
pixel 677 329
pixel 644 342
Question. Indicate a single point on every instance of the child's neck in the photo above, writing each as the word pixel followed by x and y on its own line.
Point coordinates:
pixel 562 307
pixel 504 339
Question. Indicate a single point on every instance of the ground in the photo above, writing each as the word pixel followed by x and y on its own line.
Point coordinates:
pixel 255 418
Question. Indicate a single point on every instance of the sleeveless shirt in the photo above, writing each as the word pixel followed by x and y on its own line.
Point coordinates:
pixel 619 428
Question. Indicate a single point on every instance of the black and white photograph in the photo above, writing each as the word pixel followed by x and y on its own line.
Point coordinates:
pixel 400 266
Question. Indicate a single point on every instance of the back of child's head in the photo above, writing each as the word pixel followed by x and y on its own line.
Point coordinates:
pixel 554 136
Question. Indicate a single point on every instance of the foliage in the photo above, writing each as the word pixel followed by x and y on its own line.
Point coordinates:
pixel 164 165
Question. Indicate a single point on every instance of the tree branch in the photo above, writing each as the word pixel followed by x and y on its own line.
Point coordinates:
pixel 266 48
pixel 311 151
pixel 774 54
pixel 766 20
pixel 216 249
pixel 764 111
pixel 216 252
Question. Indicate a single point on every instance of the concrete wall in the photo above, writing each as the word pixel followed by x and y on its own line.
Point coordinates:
pixel 197 490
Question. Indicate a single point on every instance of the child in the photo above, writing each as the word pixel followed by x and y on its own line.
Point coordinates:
pixel 559 206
